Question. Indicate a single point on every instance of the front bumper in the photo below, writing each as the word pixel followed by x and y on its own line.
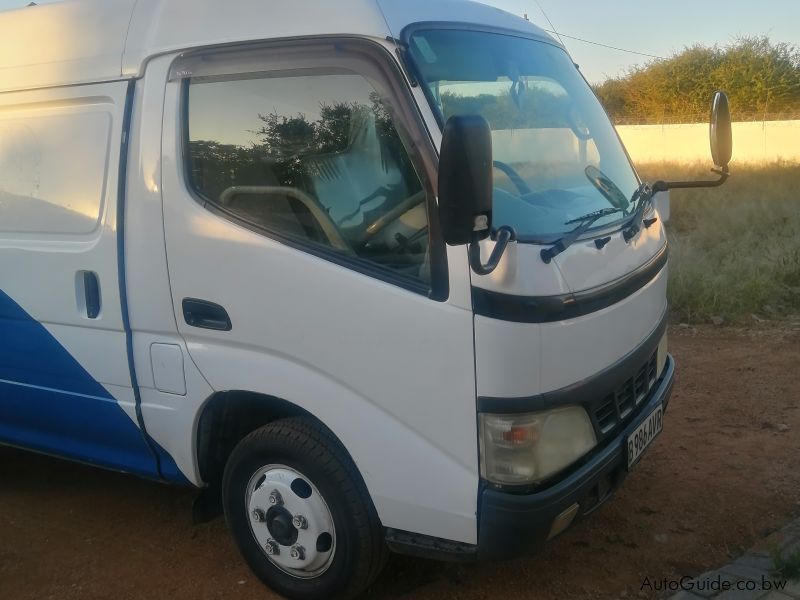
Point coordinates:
pixel 513 524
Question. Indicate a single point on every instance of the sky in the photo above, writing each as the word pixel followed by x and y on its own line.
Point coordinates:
pixel 657 27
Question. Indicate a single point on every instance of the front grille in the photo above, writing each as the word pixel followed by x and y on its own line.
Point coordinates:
pixel 618 407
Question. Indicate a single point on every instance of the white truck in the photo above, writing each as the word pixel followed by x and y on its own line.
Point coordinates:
pixel 373 274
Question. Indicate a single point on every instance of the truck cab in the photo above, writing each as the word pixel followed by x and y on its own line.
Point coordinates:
pixel 373 275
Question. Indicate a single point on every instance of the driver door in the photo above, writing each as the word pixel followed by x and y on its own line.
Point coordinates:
pixel 302 264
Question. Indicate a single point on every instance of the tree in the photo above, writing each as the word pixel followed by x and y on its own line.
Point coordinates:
pixel 291 150
pixel 533 108
pixel 761 78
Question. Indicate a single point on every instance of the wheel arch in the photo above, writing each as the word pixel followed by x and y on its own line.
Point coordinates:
pixel 227 417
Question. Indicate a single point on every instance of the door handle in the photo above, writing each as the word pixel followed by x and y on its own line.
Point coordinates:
pixel 91 293
pixel 205 315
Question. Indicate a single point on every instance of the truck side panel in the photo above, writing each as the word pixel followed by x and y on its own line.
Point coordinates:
pixel 65 384
pixel 389 371
pixel 170 417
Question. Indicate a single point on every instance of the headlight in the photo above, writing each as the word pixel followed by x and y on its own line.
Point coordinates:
pixel 522 449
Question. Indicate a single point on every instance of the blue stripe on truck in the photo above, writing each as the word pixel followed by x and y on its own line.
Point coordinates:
pixel 50 403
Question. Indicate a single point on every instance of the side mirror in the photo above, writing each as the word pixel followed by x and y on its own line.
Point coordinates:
pixel 720 131
pixel 465 180
pixel 721 138
pixel 466 190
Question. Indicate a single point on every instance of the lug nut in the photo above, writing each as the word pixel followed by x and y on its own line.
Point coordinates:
pixel 272 548
pixel 298 553
pixel 299 522
pixel 258 515
pixel 275 498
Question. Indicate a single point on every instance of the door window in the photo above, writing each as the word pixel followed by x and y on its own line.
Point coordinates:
pixel 313 157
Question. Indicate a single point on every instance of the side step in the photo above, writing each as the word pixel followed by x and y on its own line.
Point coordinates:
pixel 425 546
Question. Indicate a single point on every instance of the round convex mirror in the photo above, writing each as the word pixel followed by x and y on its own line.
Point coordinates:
pixel 720 131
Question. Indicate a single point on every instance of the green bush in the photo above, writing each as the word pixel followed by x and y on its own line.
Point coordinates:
pixel 735 250
pixel 787 565
pixel 762 79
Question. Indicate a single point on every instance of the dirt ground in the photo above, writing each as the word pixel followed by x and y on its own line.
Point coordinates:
pixel 725 472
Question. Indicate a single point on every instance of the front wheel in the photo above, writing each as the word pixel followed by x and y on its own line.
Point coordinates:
pixel 300 513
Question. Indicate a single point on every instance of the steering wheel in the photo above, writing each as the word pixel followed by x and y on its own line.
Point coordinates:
pixel 392 215
pixel 321 216
pixel 515 177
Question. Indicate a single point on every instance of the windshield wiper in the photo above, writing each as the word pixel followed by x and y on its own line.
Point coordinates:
pixel 641 199
pixel 643 196
pixel 615 196
pixel 585 222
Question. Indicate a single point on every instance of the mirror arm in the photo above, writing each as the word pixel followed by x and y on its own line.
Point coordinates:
pixel 663 186
pixel 505 234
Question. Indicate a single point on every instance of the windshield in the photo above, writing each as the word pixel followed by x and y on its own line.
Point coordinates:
pixel 549 132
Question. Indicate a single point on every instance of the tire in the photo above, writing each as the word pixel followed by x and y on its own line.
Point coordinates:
pixel 314 477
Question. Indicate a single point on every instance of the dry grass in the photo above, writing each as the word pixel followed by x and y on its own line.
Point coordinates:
pixel 735 250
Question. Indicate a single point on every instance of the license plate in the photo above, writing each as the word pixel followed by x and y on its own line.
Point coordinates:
pixel 644 435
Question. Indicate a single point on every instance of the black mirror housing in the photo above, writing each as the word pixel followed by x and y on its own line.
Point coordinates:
pixel 465 180
pixel 720 132
pixel 721 138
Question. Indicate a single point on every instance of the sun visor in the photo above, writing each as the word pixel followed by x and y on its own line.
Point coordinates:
pixel 399 14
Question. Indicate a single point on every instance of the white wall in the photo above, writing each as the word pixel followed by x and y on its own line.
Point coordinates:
pixel 758 142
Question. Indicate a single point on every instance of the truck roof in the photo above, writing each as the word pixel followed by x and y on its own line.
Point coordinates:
pixel 82 41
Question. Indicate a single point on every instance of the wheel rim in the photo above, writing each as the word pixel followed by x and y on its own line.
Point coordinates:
pixel 290 521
